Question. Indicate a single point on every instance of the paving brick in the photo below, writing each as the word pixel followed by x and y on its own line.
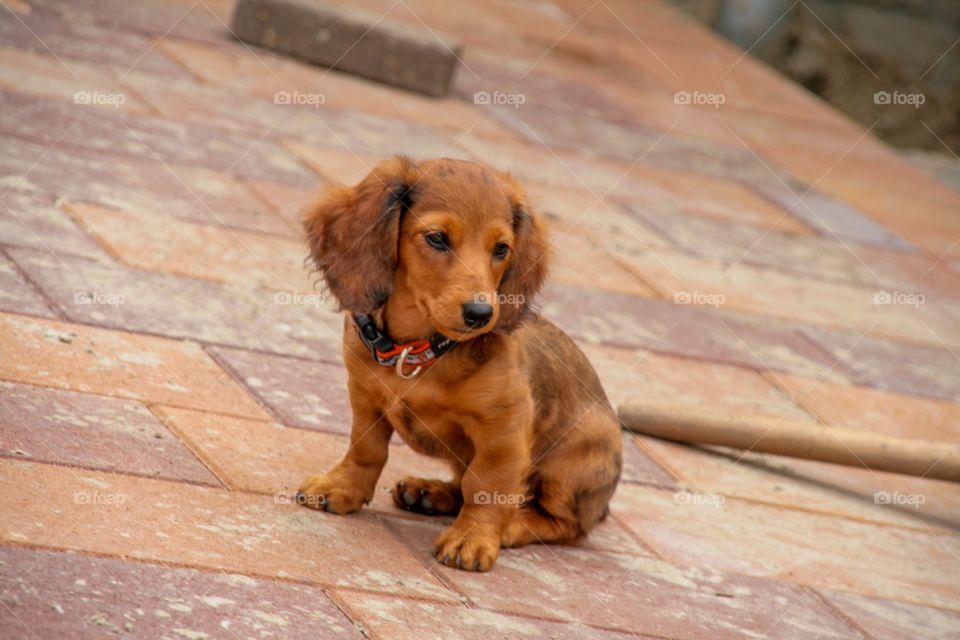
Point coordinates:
pixel 580 259
pixel 180 307
pixel 893 414
pixel 203 251
pixel 200 527
pixel 301 393
pixel 836 218
pixel 385 618
pixel 684 330
pixel 639 595
pixel 364 43
pixel 714 198
pixel 336 164
pixel 19 296
pixel 32 219
pixel 268 458
pixel 53 594
pixel 772 293
pixel 148 139
pixel 893 366
pixel 119 364
pixel 640 468
pixel 795 546
pixel 641 376
pixel 201 22
pixel 814 486
pixel 286 200
pixel 154 187
pixel 87 86
pixel 887 620
pixel 69 39
pixel 821 257
pixel 77 429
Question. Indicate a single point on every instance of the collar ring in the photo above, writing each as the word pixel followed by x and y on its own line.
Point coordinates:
pixel 402 360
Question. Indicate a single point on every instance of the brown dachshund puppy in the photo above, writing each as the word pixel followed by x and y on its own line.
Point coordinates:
pixel 436 263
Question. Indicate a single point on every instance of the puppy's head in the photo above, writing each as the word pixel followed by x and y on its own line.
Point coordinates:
pixel 456 240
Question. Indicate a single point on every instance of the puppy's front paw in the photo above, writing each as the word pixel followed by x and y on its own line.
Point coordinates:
pixel 432 497
pixel 468 546
pixel 327 494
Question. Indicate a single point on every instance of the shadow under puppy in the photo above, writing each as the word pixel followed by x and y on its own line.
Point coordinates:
pixel 435 264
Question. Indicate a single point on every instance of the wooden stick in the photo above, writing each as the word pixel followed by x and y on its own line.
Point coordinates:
pixel 797 439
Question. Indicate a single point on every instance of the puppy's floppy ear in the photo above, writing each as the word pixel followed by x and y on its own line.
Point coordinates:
pixel 529 260
pixel 353 233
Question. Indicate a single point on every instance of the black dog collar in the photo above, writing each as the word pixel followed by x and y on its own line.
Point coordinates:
pixel 417 353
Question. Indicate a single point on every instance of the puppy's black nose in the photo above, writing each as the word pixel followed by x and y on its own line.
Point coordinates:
pixel 477 314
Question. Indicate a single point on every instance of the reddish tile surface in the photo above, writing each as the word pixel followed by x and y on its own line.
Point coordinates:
pixel 54 594
pixel 180 307
pixel 697 529
pixel 629 593
pixel 152 282
pixel 201 251
pixel 119 364
pixel 269 458
pixel 150 139
pixel 886 620
pixel 300 393
pixel 33 220
pixel 17 294
pixel 95 432
pixel 686 330
pixel 894 366
pixel 385 618
pixel 174 523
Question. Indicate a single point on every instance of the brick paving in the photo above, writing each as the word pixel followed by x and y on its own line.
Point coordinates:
pixel 168 373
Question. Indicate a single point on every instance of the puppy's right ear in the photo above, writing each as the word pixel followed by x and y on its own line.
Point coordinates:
pixel 353 234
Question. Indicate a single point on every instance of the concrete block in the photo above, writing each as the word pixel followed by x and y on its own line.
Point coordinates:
pixel 351 40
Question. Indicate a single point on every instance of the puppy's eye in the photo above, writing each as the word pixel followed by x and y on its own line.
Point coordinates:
pixel 500 250
pixel 438 240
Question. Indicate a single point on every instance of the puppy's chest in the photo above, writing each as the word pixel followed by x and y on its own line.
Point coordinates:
pixel 428 429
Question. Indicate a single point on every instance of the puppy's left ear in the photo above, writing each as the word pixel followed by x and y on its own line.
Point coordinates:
pixel 529 260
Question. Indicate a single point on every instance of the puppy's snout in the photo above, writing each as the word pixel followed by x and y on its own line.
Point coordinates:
pixel 477 314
